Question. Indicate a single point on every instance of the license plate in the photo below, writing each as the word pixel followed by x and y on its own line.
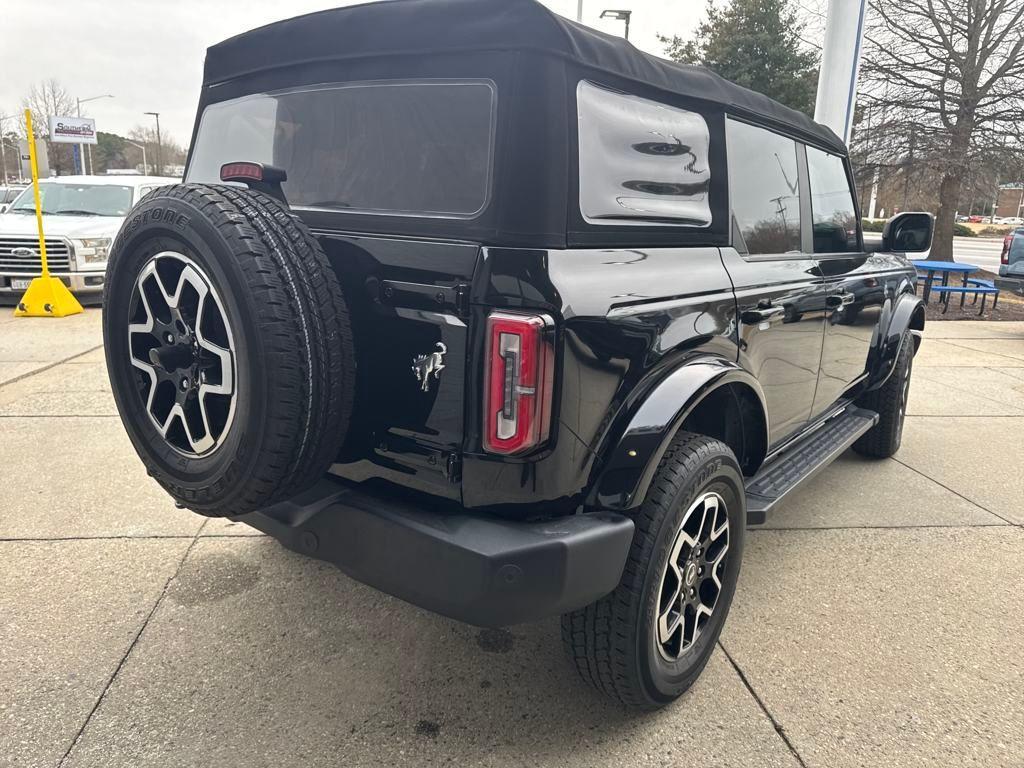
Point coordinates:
pixel 20 285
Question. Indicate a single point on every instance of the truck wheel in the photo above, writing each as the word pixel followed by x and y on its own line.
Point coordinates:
pixel 648 641
pixel 228 347
pixel 890 403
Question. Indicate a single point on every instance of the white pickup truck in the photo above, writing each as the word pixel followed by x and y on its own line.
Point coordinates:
pixel 81 218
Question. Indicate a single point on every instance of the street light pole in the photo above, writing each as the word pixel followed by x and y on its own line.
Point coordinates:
pixel 579 11
pixel 159 149
pixel 145 165
pixel 82 147
pixel 620 15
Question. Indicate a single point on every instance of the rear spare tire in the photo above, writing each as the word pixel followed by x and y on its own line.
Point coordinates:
pixel 228 347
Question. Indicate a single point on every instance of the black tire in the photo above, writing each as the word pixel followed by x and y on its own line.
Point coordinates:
pixel 890 403
pixel 613 642
pixel 292 361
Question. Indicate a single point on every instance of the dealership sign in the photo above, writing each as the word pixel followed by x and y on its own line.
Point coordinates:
pixel 73 130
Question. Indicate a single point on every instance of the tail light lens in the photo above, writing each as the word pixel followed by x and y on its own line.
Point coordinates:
pixel 1004 257
pixel 518 385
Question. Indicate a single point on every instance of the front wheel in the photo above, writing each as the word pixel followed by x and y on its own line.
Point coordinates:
pixel 890 403
pixel 648 641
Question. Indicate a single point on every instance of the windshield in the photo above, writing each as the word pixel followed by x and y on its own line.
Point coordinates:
pixel 76 200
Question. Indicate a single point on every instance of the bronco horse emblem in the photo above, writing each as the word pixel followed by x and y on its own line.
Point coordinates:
pixel 425 365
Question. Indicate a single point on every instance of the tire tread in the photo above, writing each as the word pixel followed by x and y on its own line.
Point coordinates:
pixel 600 639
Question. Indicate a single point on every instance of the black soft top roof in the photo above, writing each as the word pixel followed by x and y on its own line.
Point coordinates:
pixel 404 27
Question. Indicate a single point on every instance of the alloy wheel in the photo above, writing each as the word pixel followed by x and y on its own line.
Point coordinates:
pixel 692 581
pixel 181 346
pixel 904 396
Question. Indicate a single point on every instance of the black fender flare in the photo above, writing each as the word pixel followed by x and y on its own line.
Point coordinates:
pixel 907 309
pixel 630 460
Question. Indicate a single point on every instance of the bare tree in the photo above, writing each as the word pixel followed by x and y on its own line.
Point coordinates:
pixel 946 76
pixel 170 151
pixel 46 99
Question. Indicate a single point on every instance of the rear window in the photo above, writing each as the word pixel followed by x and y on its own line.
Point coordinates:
pixel 410 148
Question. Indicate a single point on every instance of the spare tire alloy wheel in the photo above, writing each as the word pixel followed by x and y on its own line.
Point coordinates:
pixel 228 347
pixel 180 339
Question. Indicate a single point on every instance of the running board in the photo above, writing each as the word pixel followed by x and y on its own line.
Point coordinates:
pixel 804 460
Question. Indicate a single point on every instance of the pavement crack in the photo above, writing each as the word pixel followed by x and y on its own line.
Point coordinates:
pixel 969 415
pixel 941 381
pixel 111 537
pixel 984 351
pixel 956 493
pixel 58 416
pixel 771 718
pixel 131 647
pixel 919 526
pixel 48 366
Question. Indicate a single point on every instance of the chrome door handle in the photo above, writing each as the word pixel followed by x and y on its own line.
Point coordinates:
pixel 840 300
pixel 762 314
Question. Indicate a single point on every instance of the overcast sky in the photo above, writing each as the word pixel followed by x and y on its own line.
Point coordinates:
pixel 149 55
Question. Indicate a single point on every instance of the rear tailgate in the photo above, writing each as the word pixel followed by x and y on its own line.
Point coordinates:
pixel 408 300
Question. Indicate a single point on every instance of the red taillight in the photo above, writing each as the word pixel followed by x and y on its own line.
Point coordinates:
pixel 517 389
pixel 1004 257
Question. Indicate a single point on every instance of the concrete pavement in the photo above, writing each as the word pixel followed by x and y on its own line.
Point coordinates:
pixel 877 621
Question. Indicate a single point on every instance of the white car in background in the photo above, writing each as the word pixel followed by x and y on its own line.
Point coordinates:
pixel 81 218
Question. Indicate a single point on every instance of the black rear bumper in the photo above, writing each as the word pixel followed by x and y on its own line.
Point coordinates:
pixel 483 571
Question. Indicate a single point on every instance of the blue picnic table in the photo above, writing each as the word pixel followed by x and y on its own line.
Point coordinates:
pixel 945 268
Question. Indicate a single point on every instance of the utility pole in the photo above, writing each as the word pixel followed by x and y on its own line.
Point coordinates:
pixel 579 11
pixel 159 149
pixel 3 154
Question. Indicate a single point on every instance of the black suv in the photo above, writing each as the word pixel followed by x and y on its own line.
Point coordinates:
pixel 507 319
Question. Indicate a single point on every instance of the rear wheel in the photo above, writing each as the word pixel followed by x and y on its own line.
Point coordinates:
pixel 228 347
pixel 648 641
pixel 890 403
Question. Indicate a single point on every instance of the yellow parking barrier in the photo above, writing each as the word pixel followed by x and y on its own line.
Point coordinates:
pixel 46 296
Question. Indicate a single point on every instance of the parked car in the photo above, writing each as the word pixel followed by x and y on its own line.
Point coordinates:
pixel 973 219
pixel 7 195
pixel 508 319
pixel 81 217
pixel 1011 260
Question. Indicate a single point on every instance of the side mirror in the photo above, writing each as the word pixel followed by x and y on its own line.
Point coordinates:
pixel 909 233
pixel 3 208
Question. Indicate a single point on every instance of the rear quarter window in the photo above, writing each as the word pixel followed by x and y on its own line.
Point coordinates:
pixel 416 148
pixel 640 161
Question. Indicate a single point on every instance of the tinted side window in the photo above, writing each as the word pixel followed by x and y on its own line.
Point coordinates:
pixel 765 188
pixel 418 148
pixel 835 218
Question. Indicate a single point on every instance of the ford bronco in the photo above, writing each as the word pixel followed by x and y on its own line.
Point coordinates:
pixel 508 319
